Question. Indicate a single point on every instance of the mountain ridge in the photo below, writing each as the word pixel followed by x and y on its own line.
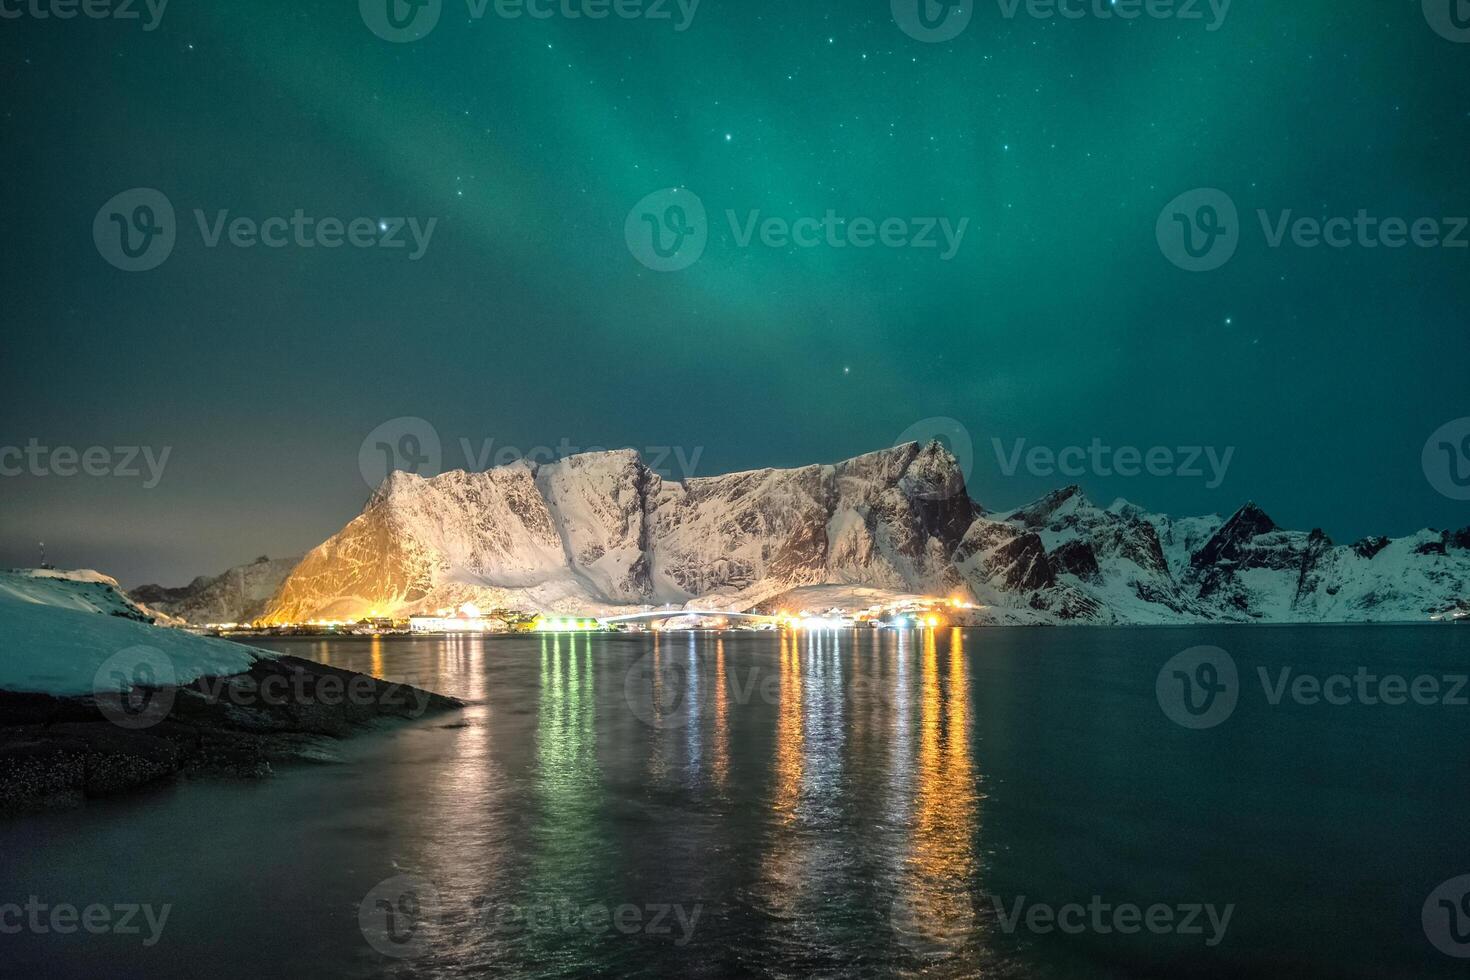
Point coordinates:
pixel 236 595
pixel 599 531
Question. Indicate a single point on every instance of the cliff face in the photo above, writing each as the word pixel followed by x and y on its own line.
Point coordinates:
pixel 236 596
pixel 601 530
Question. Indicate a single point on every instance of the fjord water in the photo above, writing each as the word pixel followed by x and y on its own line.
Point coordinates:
pixel 850 803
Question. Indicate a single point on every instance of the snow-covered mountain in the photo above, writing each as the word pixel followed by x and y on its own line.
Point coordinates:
pixel 236 596
pixel 601 530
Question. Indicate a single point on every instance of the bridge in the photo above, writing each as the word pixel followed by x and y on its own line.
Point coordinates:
pixel 656 615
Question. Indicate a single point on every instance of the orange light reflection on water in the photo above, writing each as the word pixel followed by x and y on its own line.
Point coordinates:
pixel 935 911
pixel 721 761
pixel 790 731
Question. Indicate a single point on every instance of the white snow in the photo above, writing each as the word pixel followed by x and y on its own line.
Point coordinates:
pixel 236 595
pixel 58 629
pixel 598 531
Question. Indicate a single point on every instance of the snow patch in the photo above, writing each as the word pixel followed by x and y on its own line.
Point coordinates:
pixel 57 631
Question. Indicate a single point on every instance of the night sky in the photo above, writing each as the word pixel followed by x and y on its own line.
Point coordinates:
pixel 528 321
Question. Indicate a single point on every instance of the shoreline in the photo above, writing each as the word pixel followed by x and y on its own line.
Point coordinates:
pixel 60 751
pixel 1067 626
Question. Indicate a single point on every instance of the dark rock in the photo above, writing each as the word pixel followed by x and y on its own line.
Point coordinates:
pixel 36 771
pixel 1002 556
pixel 1369 547
pixel 62 750
pixel 1076 557
pixel 935 486
pixel 1234 537
pixel 42 709
pixel 72 760
pixel 1309 577
pixel 1067 603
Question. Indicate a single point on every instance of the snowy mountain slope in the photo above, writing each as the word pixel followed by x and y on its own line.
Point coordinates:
pixel 1179 537
pixel 1251 569
pixel 57 629
pixel 600 530
pixel 422 543
pixel 1114 555
pixel 889 519
pixel 595 501
pixel 729 535
pixel 235 596
pixel 82 590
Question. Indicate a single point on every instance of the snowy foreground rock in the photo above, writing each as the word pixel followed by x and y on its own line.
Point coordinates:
pixel 94 700
pixel 601 531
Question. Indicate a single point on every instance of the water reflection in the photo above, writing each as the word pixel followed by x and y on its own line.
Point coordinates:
pixel 462 796
pixel 846 839
pixel 826 697
pixel 664 689
pixel 790 732
pixel 866 826
pixel 720 763
pixel 566 861
pixel 688 673
pixel 375 651
pixel 935 909
pixel 566 730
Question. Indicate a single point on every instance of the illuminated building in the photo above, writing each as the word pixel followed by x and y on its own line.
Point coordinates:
pixel 466 619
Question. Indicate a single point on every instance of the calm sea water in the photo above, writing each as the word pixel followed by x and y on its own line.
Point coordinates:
pixel 839 804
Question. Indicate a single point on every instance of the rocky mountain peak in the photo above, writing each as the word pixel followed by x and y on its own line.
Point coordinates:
pixel 1053 506
pixel 1253 517
pixel 1370 546
pixel 1228 543
pixel 599 530
pixel 397 481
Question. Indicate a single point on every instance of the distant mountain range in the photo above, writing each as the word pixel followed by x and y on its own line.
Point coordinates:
pixel 601 530
pixel 236 596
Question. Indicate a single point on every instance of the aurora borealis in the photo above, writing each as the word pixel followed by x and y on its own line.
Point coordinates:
pixel 526 321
